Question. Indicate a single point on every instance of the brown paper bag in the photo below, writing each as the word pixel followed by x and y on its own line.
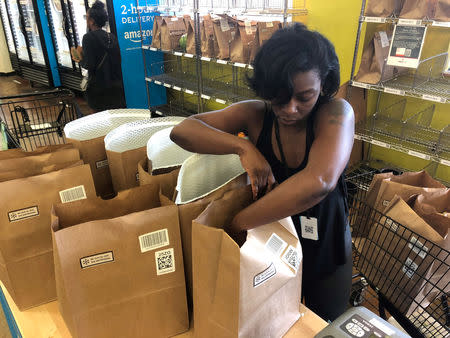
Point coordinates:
pixel 209 45
pixel 172 28
pixel 165 182
pixel 405 185
pixel 27 172
pixel 224 30
pixel 93 153
pixel 119 266
pixel 156 32
pixel 37 162
pixel 190 38
pixel 18 152
pixel 249 291
pixel 26 260
pixel 383 8
pixel 124 168
pixel 244 41
pixel 426 9
pixel 264 32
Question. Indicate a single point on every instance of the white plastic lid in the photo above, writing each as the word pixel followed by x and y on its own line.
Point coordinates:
pixel 100 124
pixel 202 174
pixel 163 152
pixel 136 134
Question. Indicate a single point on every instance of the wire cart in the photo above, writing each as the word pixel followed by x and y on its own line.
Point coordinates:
pixel 37 119
pixel 412 281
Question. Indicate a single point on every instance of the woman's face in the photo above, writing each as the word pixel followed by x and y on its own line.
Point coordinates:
pixel 307 87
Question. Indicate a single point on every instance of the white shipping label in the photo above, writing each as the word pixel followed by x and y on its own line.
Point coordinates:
pixel 309 228
pixel 73 194
pixel 101 258
pixel 275 245
pixel 384 39
pixel 224 25
pixel 392 224
pixel 165 261
pixel 409 268
pixel 418 247
pixel 101 164
pixel 269 24
pixel 154 240
pixel 18 215
pixel 291 258
pixel 261 277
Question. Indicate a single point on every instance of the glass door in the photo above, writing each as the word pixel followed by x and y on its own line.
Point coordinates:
pixel 18 30
pixel 7 27
pixel 32 31
pixel 57 23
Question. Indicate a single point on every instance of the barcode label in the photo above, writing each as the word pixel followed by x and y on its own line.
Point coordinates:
pixel 291 258
pixel 101 164
pixel 275 245
pixel 154 240
pixel 165 261
pixel 204 58
pixel 73 194
pixel 420 155
pixel 224 62
pixel 409 268
pixel 264 276
pixel 374 19
pixel 360 84
pixel 418 247
pixel 238 64
pixel 101 258
pixel 394 91
pixel 445 162
pixel 40 126
pixel 189 91
pixel 433 98
pixel 381 144
pixel 18 215
pixel 221 101
pixel 409 22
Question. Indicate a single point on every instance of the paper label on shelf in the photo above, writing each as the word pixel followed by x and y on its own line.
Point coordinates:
pixel 433 98
pixel 221 101
pixel 154 49
pixel 189 55
pixel 101 164
pixel 165 261
pixel 418 247
pixel 360 84
pixel 18 215
pixel 381 144
pixel 357 137
pixel 206 97
pixel 275 245
pixel 224 62
pixel 409 268
pixel 73 194
pixel 40 126
pixel 224 25
pixel 291 258
pixel 158 82
pixel 265 275
pixel 189 91
pixel 178 54
pixel 238 64
pixel 269 24
pixel 204 58
pixel 384 39
pixel 445 162
pixel 394 91
pixel 409 22
pixel 167 85
pixel 154 240
pixel 441 23
pixel 374 19
pixel 176 88
pixel 101 258
pixel 420 155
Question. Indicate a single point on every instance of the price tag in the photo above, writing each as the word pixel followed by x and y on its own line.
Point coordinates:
pixel 441 24
pixel 158 82
pixel 204 58
pixel 177 88
pixel 189 91
pixel 189 55
pixel 206 97
pixel 224 62
pixel 417 154
pixel 357 137
pixel 409 22
pixel 381 144
pixel 374 19
pixel 360 84
pixel 238 64
pixel 167 85
pixel 433 98
pixel 445 162
pixel 178 54
pixel 221 101
pixel 154 49
pixel 406 46
pixel 394 91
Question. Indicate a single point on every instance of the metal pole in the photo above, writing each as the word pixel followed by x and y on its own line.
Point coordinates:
pixel 198 51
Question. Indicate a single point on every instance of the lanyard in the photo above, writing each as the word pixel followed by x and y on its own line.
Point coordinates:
pixel 280 148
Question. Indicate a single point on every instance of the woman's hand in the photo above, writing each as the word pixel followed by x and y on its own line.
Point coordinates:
pixel 235 231
pixel 258 170
pixel 77 53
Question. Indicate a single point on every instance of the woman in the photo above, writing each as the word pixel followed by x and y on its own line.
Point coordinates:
pixel 299 143
pixel 100 55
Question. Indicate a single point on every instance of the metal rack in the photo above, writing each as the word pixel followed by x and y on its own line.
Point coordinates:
pixel 207 78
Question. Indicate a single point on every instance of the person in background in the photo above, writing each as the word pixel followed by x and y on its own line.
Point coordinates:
pixel 100 55
pixel 299 143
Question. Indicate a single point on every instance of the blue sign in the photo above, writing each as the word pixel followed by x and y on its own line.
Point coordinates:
pixel 129 35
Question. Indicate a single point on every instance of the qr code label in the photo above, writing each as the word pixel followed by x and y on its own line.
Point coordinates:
pixel 409 268
pixel 165 261
pixel 291 258
pixel 275 245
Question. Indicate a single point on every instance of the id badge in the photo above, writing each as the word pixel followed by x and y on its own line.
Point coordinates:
pixel 309 228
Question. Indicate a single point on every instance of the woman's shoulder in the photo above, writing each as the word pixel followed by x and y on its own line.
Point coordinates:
pixel 335 106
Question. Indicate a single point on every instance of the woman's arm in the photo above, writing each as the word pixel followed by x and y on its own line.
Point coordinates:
pixel 327 159
pixel 216 133
pixel 88 57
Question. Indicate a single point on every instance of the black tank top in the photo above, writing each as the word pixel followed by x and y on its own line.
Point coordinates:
pixel 321 257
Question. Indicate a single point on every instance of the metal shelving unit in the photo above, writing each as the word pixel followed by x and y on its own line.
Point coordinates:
pixel 207 78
